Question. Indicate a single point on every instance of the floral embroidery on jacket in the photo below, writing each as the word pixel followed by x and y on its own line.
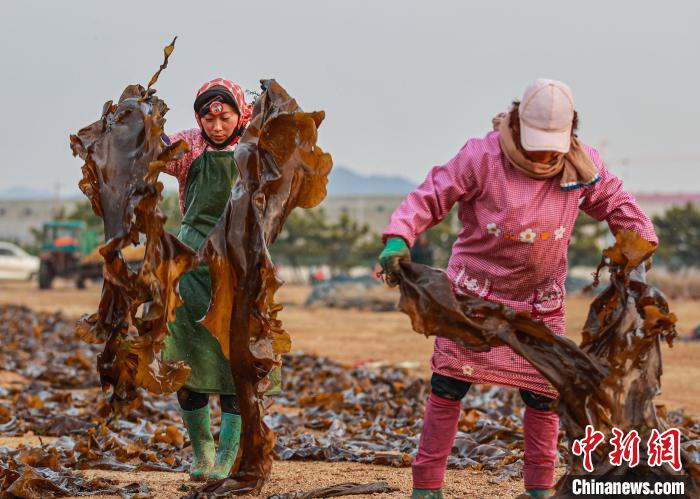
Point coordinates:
pixel 528 236
pixel 471 284
pixel 548 299
pixel 493 229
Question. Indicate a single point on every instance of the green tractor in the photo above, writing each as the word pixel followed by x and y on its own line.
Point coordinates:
pixel 65 243
pixel 70 250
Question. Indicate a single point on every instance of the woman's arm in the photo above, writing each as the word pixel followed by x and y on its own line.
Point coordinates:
pixel 607 200
pixel 433 199
pixel 180 167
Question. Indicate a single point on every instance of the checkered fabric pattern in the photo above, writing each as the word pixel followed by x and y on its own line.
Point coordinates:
pixel 180 168
pixel 512 245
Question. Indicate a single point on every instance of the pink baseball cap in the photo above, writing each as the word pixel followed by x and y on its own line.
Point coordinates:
pixel 546 114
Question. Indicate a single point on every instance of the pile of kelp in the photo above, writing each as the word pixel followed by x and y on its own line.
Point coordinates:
pixel 374 416
pixel 56 398
pixel 327 412
pixel 358 293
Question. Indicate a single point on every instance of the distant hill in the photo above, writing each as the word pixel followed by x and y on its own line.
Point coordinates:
pixel 22 192
pixel 344 182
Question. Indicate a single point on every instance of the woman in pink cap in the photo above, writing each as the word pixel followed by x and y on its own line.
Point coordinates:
pixel 519 191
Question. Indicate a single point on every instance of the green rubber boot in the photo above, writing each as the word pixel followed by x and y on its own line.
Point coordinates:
pixel 229 438
pixel 198 423
pixel 536 494
pixel 427 494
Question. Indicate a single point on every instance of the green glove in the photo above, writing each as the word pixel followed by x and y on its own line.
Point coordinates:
pixel 394 250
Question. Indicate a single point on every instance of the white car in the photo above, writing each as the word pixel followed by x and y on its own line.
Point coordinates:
pixel 15 263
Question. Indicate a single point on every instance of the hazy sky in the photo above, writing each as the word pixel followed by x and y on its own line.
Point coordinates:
pixel 404 83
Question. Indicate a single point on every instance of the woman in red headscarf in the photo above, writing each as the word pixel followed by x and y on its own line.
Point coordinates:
pixel 206 175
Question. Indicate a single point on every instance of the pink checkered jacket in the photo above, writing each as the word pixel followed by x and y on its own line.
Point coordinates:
pixel 511 247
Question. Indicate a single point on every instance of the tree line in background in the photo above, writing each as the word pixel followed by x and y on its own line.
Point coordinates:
pixel 310 239
pixel 678 229
pixel 83 211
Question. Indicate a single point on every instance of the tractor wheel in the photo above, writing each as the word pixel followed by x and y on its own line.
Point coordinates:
pixel 45 275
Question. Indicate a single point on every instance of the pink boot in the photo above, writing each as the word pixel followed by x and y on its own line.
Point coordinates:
pixel 439 430
pixel 541 437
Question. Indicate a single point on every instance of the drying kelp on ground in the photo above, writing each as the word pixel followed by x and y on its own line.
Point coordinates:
pixel 60 397
pixel 609 381
pixel 327 412
pixel 331 413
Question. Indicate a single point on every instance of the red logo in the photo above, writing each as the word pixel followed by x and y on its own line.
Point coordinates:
pixel 626 448
pixel 665 448
pixel 587 445
pixel 662 448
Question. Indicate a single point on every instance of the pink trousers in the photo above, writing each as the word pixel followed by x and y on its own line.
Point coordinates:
pixel 439 430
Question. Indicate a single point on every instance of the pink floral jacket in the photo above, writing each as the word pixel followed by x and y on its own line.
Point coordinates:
pixel 512 245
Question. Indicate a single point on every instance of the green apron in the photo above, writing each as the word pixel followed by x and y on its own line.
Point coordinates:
pixel 207 192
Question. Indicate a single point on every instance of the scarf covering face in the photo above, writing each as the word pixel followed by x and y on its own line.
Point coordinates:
pixel 576 166
pixel 228 92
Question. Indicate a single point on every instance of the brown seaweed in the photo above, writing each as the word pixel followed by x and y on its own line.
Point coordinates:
pixel 28 482
pixel 123 153
pixel 336 413
pixel 609 381
pixel 341 489
pixel 280 168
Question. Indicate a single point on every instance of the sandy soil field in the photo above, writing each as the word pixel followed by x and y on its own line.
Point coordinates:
pixel 351 337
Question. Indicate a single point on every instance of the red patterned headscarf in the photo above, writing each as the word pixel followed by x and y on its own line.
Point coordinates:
pixel 224 91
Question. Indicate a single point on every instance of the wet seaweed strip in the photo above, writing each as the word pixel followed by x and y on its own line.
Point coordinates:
pixel 167 51
pixel 609 381
pixel 124 153
pixel 340 490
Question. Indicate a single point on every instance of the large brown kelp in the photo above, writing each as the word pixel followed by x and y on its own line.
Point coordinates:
pixel 280 168
pixel 123 153
pixel 609 381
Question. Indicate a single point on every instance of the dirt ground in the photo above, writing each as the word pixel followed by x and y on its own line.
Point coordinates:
pixel 352 337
